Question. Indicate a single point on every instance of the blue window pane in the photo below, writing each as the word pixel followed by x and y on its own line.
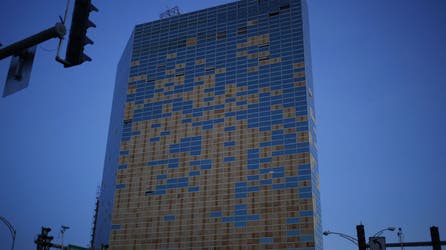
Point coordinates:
pixel 266 240
pixel 169 218
pixel 216 214
pixel 293 232
pixel 194 189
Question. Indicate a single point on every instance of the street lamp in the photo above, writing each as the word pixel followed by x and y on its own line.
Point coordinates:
pixel 382 231
pixel 62 231
pixel 355 240
pixel 11 229
pixel 345 236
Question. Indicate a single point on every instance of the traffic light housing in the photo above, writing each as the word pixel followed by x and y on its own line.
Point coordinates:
pixel 78 33
pixel 47 239
pixel 43 240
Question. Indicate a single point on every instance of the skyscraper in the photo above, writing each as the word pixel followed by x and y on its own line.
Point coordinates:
pixel 212 136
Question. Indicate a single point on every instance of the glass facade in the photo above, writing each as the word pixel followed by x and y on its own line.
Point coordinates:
pixel 217 131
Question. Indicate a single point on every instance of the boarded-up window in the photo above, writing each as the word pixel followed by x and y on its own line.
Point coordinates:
pixel 191 41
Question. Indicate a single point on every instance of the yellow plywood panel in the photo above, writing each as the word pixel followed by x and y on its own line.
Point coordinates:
pixel 252 22
pixel 242 53
pixel 265 90
pixel 302 118
pixel 171 56
pixel 220 71
pixel 299 84
pixel 298 65
pixel 137 78
pixel 313 161
pixel 255 40
pixel 241 45
pixel 180 66
pixel 263 62
pixel 200 61
pixel 131 89
pixel 299 74
pixel 191 41
pixel 264 54
pixel 252 56
pixel 134 63
pixel 253 69
pixel 221 35
pixel 303 136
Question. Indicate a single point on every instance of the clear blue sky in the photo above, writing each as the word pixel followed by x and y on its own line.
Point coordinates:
pixel 380 87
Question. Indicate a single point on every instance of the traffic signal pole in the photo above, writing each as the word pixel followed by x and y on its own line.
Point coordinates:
pixel 15 49
pixel 23 52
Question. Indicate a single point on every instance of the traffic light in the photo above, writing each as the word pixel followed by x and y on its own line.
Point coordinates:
pixel 78 33
pixel 43 240
pixel 46 238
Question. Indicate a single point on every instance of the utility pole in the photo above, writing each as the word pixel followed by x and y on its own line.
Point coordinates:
pixel 360 233
pixel 435 236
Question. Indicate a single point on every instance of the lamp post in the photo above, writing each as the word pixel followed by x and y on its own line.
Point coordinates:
pixel 11 229
pixel 345 236
pixel 382 231
pixel 360 241
pixel 400 237
pixel 62 231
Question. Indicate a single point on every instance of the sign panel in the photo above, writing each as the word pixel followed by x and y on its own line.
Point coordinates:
pixel 377 243
pixel 73 247
pixel 19 72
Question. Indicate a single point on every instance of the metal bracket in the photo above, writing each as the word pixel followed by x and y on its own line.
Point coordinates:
pixel 59 46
